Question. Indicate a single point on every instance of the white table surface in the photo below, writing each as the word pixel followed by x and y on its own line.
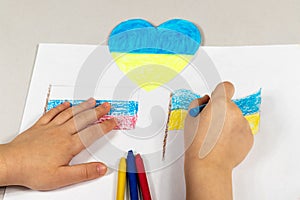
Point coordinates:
pixel 25 24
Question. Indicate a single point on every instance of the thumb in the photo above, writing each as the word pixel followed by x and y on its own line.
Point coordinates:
pixel 224 90
pixel 69 175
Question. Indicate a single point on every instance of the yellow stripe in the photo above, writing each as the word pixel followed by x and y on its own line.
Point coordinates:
pixel 177 118
pixel 150 71
pixel 130 61
pixel 253 122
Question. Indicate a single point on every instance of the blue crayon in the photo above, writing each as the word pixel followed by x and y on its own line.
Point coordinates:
pixel 132 176
pixel 195 111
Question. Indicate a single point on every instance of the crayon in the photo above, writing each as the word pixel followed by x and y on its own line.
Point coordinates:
pixel 142 177
pixel 132 177
pixel 121 179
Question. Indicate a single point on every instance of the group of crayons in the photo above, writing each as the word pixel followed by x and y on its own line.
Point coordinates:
pixel 132 171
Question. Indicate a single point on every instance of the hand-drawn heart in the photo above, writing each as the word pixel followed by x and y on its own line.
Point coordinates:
pixel 152 56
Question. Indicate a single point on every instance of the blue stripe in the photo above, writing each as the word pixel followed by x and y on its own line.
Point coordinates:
pixel 130 25
pixel 118 107
pixel 184 27
pixel 175 36
pixel 250 104
pixel 182 98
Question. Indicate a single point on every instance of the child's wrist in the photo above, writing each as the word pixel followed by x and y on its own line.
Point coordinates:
pixel 3 166
pixel 208 168
pixel 10 166
pixel 211 181
pixel 207 164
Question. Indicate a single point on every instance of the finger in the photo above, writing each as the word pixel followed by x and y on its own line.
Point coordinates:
pixel 69 175
pixel 223 90
pixel 83 119
pixel 72 111
pixel 50 115
pixel 199 101
pixel 89 135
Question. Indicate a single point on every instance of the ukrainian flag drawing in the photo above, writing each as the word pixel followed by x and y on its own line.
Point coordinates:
pixel 125 112
pixel 182 98
pixel 152 56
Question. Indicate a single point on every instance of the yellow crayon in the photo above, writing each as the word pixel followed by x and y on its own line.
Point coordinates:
pixel 121 179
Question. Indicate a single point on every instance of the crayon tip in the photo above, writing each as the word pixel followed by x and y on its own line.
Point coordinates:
pixel 130 153
pixel 195 111
pixel 138 156
pixel 122 165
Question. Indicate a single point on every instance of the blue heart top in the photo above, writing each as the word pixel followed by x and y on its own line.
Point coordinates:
pixel 176 36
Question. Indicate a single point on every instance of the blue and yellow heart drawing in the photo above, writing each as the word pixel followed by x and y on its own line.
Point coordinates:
pixel 152 56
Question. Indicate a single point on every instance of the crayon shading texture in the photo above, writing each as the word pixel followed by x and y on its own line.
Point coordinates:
pixel 152 56
pixel 125 112
pixel 182 98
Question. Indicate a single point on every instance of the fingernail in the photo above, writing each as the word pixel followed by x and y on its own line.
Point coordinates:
pixel 91 100
pixel 105 105
pixel 109 171
pixel 66 103
pixel 101 169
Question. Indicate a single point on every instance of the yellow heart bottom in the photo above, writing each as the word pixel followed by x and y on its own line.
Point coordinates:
pixel 150 71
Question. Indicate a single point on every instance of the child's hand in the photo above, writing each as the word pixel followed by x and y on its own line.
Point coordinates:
pixel 210 177
pixel 39 157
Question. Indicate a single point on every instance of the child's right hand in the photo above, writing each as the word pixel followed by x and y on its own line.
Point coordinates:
pixel 223 117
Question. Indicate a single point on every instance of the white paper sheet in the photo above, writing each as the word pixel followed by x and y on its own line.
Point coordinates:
pixel 271 171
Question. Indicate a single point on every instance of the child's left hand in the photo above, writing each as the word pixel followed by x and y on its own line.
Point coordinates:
pixel 39 157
